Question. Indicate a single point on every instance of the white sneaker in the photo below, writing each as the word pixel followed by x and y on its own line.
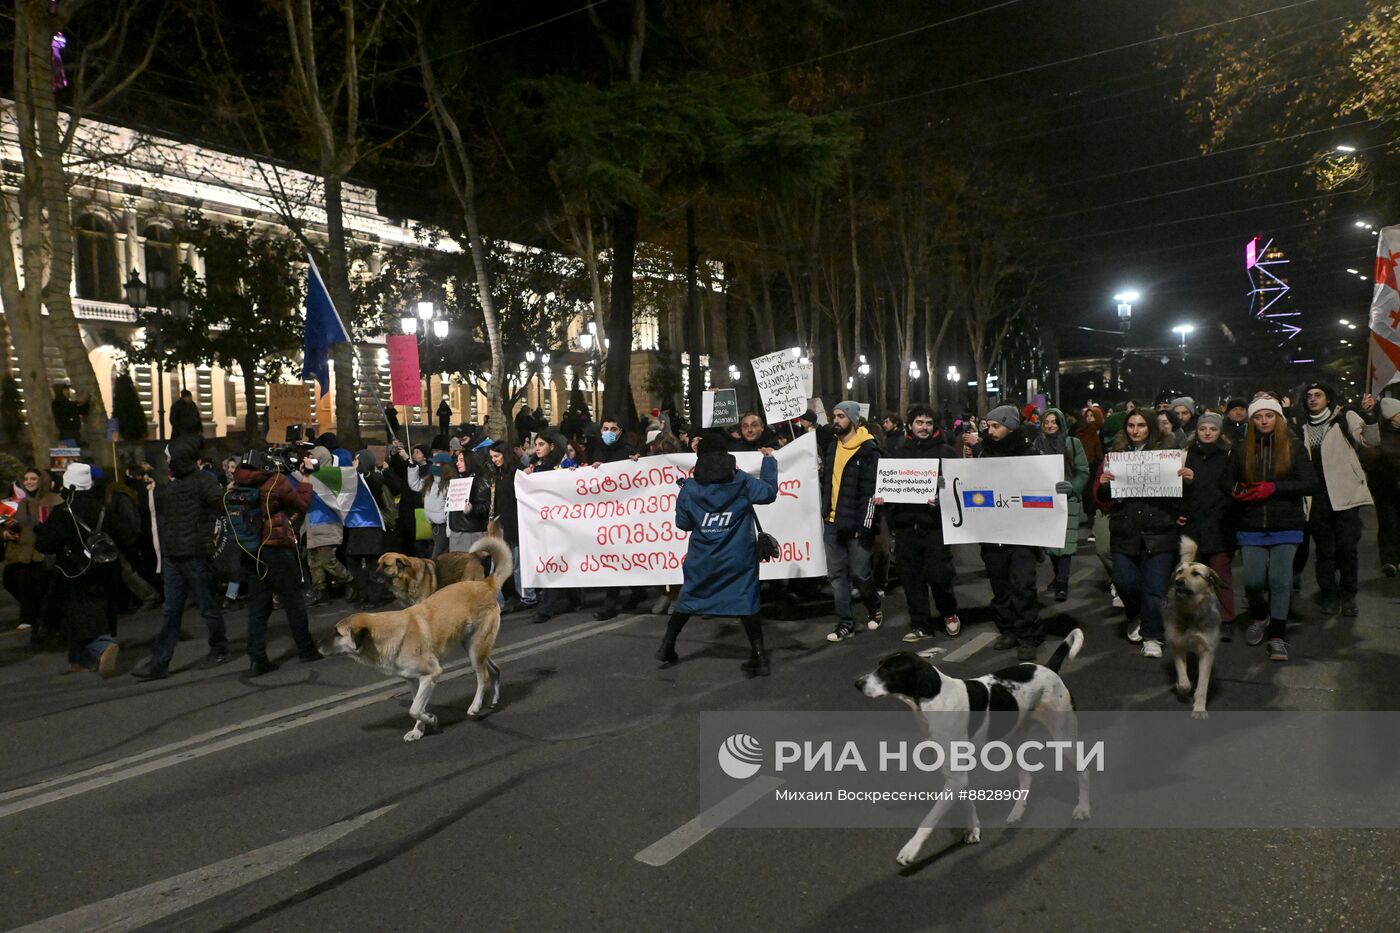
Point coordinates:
pixel 22 627
pixel 877 618
pixel 1152 648
pixel 1117 600
pixel 1135 633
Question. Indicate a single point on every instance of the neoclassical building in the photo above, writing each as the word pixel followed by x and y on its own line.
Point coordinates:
pixel 126 216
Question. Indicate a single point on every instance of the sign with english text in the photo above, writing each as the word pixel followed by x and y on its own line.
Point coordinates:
pixel 1144 474
pixel 1005 500
pixel 781 385
pixel 614 525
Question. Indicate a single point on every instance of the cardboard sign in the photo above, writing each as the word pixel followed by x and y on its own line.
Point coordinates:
pixel 719 407
pixel 1148 474
pixel 459 493
pixel 807 371
pixel 780 386
pixel 1005 500
pixel 913 481
pixel 405 378
pixel 864 410
pixel 615 525
pixel 286 406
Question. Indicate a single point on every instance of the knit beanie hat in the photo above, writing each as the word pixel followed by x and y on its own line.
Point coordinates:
pixel 1186 402
pixel 1005 415
pixel 850 409
pixel 1265 404
pixel 1210 417
pixel 712 444
pixel 366 461
pixel 77 476
pixel 1390 407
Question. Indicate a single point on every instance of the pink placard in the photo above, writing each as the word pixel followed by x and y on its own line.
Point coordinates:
pixel 405 382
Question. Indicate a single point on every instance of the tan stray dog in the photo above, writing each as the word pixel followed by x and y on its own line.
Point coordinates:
pixel 410 643
pixel 414 579
pixel 1192 616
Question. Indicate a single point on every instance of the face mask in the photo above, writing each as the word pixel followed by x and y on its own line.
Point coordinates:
pixel 435 469
pixel 609 437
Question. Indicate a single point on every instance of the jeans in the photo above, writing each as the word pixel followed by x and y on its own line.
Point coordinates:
pixel 1011 571
pixel 848 560
pixel 1061 563
pixel 924 562
pixel 1268 583
pixel 280 573
pixel 89 654
pixel 439 540
pixel 1142 585
pixel 1336 536
pixel 185 577
pixel 527 594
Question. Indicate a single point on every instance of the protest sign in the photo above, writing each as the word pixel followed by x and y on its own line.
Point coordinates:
pixel 1005 500
pixel 614 525
pixel 1144 473
pixel 405 379
pixel 807 370
pixel 459 494
pixel 779 379
pixel 720 407
pixel 913 481
pixel 286 405
pixel 815 406
pixel 864 410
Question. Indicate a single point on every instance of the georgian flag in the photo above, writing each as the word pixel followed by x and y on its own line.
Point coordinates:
pixel 1385 313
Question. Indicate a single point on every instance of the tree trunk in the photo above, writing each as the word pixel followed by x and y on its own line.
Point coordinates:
pixel 859 309
pixel 347 409
pixel 251 418
pixel 617 373
pixel 22 313
pixel 692 314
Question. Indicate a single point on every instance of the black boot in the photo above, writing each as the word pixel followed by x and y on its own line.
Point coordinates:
pixel 758 658
pixel 666 654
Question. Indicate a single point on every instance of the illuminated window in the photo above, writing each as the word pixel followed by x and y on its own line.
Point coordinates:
pixel 160 250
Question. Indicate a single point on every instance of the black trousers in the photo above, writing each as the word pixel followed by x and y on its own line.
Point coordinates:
pixel 28 583
pixel 1388 522
pixel 280 573
pixel 924 562
pixel 1011 570
pixel 1337 536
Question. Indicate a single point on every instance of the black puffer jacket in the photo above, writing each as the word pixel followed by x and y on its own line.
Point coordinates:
pixel 1140 525
pixel 907 516
pixel 855 514
pixel 1284 510
pixel 1207 504
pixel 188 506
pixel 473 519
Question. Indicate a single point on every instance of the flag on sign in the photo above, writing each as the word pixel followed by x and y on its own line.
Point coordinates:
pixel 1385 313
pixel 323 328
pixel 341 492
pixel 1037 502
pixel 979 499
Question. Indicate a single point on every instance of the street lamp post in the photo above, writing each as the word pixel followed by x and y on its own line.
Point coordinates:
pixel 138 294
pixel 426 323
pixel 1183 330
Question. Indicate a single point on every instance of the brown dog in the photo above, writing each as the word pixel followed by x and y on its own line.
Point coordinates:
pixel 414 579
pixel 410 642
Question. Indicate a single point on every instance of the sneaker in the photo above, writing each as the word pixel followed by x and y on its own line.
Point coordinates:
pixel 1389 569
pixel 1278 649
pixel 211 660
pixel 1255 633
pixel 1349 608
pixel 107 661
pixel 1061 594
pixel 1025 652
pixel 952 625
pixel 1151 648
pixel 877 618
pixel 23 627
pixel 1004 643
pixel 148 671
pixel 843 631
pixel 317 597
pixel 1117 600
pixel 917 633
pixel 1135 633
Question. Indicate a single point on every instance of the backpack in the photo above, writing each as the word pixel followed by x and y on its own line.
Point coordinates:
pixel 243 513
pixel 94 546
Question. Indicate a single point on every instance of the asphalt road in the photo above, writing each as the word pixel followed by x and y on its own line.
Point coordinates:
pixel 209 801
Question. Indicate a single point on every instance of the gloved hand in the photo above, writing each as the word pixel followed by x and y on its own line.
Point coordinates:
pixel 1253 492
pixel 1062 488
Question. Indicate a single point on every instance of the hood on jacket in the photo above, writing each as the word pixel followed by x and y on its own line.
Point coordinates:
pixel 855 438
pixel 714 467
pixel 1015 443
pixel 366 462
pixel 184 454
pixel 324 458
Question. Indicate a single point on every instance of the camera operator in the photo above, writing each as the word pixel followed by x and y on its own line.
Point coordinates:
pixel 275 567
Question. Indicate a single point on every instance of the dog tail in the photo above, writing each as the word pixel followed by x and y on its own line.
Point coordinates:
pixel 499 552
pixel 1069 648
pixel 1188 550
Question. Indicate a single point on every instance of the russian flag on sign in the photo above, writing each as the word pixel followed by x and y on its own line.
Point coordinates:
pixel 978 499
pixel 1037 502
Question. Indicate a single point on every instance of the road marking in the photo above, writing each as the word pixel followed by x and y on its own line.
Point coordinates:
pixel 157 759
pixel 674 843
pixel 966 651
pixel 153 902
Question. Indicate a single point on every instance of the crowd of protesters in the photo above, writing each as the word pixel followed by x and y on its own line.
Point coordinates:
pixel 1263 480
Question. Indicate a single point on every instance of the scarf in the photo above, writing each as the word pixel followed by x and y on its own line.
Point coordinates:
pixel 1316 428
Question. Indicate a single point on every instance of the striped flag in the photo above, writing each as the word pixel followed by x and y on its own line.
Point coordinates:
pixel 1037 502
pixel 1385 313
pixel 341 491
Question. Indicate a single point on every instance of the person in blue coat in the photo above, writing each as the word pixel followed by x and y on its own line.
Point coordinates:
pixel 721 564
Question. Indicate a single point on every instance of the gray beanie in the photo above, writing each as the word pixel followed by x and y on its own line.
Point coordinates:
pixel 1211 417
pixel 366 461
pixel 1390 407
pixel 1005 415
pixel 1186 402
pixel 850 409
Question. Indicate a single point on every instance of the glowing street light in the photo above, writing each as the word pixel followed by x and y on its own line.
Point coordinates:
pixel 1345 149
pixel 1126 300
pixel 1183 330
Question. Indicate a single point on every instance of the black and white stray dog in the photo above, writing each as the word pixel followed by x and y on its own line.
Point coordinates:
pixel 994 706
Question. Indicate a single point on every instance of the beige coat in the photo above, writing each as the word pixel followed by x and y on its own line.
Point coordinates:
pixel 1346 481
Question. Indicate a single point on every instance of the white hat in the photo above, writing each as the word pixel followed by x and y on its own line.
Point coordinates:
pixel 1266 403
pixel 1390 407
pixel 77 476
